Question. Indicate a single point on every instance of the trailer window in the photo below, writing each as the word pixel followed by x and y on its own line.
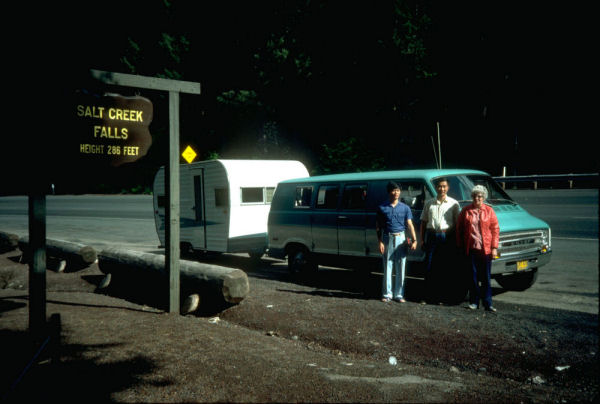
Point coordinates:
pixel 303 197
pixel 221 197
pixel 252 195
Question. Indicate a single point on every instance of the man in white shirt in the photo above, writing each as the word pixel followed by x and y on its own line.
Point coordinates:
pixel 438 221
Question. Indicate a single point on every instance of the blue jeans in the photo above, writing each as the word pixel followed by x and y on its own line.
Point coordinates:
pixel 481 266
pixel 394 263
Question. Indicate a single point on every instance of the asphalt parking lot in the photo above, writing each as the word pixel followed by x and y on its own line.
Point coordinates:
pixel 324 339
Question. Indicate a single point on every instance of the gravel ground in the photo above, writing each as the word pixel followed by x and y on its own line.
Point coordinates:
pixel 325 339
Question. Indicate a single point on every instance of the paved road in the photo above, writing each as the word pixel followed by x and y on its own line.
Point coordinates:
pixel 571 213
pixel 96 220
pixel 570 281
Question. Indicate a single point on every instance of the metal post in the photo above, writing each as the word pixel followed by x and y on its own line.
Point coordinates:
pixel 37 264
pixel 439 145
pixel 172 191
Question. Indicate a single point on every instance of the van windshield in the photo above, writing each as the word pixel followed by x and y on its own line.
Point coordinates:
pixel 461 186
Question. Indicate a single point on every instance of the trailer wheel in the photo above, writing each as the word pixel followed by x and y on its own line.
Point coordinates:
pixel 519 281
pixel 300 261
pixel 185 250
pixel 255 255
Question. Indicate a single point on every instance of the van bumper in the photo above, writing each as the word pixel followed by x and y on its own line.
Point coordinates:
pixel 522 263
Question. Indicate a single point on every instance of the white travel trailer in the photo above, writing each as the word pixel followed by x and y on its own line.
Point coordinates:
pixel 224 204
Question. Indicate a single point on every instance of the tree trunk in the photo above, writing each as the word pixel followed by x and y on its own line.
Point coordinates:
pixel 74 253
pixel 229 283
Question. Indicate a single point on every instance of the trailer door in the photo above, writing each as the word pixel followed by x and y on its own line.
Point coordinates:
pixel 198 209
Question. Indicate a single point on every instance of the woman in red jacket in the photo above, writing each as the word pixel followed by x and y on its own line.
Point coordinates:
pixel 478 233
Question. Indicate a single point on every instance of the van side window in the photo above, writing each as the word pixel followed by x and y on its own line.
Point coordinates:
pixel 327 197
pixel 303 197
pixel 355 196
pixel 414 194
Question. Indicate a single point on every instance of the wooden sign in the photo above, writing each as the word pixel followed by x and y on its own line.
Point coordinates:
pixel 112 128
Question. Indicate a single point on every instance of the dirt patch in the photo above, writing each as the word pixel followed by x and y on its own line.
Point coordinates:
pixel 324 339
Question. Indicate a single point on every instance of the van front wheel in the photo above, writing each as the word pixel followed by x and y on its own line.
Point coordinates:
pixel 299 261
pixel 518 281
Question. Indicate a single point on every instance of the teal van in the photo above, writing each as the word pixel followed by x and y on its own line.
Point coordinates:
pixel 330 220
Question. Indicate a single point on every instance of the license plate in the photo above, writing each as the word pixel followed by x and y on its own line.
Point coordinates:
pixel 522 265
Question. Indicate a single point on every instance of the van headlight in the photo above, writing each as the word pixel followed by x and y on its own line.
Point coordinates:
pixel 546 239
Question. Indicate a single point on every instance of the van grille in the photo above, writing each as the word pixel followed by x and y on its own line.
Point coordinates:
pixel 520 242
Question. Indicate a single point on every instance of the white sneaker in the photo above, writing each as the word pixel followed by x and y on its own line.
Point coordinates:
pixel 472 306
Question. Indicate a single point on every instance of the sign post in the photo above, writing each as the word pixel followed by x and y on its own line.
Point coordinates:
pixel 174 88
pixel 37 263
pixel 115 132
pixel 118 133
pixel 172 236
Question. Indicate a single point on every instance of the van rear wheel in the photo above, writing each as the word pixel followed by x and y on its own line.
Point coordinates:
pixel 300 261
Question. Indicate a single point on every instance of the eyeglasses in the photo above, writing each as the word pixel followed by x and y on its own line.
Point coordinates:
pixel 478 196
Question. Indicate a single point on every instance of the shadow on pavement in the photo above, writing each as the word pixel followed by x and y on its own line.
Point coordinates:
pixel 45 369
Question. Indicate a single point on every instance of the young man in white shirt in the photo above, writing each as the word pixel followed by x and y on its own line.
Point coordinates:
pixel 438 222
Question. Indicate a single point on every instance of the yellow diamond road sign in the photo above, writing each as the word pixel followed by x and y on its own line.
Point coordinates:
pixel 189 154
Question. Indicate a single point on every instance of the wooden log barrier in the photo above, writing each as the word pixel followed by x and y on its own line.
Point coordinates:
pixel 8 241
pixel 76 255
pixel 229 283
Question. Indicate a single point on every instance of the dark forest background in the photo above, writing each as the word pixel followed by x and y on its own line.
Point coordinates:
pixel 341 86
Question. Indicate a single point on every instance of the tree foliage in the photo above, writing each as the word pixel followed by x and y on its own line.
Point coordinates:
pixel 348 155
pixel 325 81
pixel 409 34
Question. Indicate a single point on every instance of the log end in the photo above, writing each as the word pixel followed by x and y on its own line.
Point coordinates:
pixel 105 282
pixel 8 241
pixel 88 254
pixel 235 286
pixel 190 304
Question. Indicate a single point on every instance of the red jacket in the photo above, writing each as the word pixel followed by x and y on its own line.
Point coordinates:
pixel 488 222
